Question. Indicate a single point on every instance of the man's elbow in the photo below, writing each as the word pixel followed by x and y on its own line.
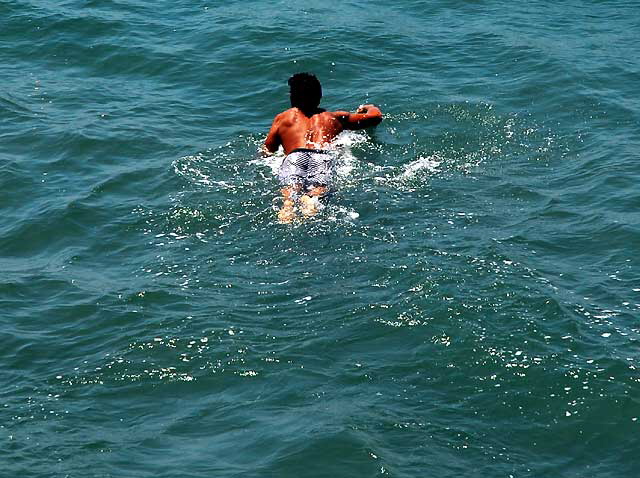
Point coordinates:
pixel 372 121
pixel 375 115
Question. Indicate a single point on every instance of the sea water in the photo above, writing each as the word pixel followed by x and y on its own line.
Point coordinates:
pixel 467 304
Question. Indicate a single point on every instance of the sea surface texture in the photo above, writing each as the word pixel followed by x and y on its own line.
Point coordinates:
pixel 466 305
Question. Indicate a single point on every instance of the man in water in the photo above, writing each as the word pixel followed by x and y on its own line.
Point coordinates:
pixel 305 131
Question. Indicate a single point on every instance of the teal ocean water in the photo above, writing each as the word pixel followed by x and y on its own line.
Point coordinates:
pixel 467 305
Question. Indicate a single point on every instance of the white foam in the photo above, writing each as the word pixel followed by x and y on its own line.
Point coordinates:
pixel 429 164
pixel 193 167
pixel 349 138
pixel 341 213
pixel 273 161
pixel 186 167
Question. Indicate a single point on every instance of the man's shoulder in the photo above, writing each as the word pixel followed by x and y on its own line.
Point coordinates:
pixel 286 114
pixel 289 112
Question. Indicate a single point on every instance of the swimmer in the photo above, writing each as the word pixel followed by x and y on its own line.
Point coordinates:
pixel 305 132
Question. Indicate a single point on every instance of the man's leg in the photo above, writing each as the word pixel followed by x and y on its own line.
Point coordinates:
pixel 309 202
pixel 289 193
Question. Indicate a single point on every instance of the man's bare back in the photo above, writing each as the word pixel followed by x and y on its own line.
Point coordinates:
pixel 295 129
pixel 305 132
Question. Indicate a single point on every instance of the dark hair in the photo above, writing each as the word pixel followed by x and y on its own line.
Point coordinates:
pixel 305 91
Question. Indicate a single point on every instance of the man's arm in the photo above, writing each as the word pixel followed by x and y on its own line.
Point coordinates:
pixel 364 117
pixel 272 141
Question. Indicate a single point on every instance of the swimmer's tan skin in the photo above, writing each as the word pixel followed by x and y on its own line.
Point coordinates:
pixel 295 128
pixel 312 128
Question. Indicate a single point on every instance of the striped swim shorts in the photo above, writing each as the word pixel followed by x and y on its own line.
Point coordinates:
pixel 307 167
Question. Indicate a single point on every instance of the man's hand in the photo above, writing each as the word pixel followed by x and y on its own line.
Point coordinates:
pixel 264 152
pixel 364 108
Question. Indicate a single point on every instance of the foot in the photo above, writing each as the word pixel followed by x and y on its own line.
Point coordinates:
pixel 287 214
pixel 308 206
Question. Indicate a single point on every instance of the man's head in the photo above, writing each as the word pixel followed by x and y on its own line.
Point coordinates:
pixel 305 91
